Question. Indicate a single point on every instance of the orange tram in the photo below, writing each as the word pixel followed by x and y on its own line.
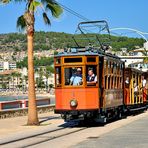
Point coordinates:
pixel 93 85
pixel 112 94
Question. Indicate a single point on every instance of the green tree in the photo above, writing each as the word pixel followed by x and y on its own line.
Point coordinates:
pixel 1 80
pixel 27 21
pixel 49 71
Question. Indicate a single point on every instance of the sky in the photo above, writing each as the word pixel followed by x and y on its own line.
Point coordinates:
pixel 118 13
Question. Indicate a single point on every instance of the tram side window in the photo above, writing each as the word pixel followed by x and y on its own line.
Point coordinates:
pixel 58 76
pixel 112 67
pixel 118 82
pixel 112 82
pixel 57 60
pixel 118 69
pixel 73 76
pixel 106 82
pixel 115 82
pixel 105 67
pixel 109 67
pixel 91 75
pixel 109 81
pixel 121 82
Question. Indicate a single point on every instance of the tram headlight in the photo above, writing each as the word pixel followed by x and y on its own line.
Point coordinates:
pixel 73 103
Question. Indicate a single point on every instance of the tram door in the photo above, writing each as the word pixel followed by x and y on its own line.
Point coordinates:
pixel 101 85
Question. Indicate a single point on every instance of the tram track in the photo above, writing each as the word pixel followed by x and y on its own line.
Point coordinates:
pixel 55 137
pixel 39 138
pixel 64 131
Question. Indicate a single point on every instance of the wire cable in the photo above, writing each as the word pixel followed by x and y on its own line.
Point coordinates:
pixel 73 12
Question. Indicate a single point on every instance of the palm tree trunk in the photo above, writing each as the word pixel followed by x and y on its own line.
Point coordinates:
pixel 32 108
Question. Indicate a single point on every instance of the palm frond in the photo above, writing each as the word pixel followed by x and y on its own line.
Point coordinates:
pixel 8 1
pixel 46 19
pixel 48 1
pixel 5 1
pixel 56 10
pixel 53 6
pixel 21 25
pixel 34 4
pixel 19 1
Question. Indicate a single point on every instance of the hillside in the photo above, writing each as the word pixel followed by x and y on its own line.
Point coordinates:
pixel 54 40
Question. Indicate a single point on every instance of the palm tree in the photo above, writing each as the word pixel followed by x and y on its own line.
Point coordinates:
pixel 27 21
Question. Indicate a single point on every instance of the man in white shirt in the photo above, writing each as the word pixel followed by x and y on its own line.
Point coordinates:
pixel 91 78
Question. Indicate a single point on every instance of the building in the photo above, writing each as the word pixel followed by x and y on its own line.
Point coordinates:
pixel 10 79
pixel 136 58
pixel 5 65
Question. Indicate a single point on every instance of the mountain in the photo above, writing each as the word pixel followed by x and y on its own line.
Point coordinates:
pixel 55 40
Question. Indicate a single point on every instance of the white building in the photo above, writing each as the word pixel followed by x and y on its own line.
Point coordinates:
pixel 12 65
pixel 136 58
pixel 4 65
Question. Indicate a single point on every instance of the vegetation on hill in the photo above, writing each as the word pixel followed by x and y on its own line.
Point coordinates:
pixel 44 61
pixel 55 40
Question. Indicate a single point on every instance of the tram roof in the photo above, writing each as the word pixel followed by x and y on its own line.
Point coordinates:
pixel 85 51
pixel 134 70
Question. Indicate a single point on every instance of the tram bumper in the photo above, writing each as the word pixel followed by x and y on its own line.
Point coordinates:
pixel 71 115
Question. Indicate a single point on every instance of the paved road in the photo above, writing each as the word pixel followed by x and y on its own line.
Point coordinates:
pixel 133 135
pixel 129 132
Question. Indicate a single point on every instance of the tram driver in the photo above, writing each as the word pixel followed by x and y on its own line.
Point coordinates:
pixel 91 78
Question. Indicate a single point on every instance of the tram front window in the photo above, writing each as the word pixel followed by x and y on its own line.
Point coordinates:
pixel 73 76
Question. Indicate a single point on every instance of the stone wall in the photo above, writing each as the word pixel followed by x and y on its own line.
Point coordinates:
pixel 10 113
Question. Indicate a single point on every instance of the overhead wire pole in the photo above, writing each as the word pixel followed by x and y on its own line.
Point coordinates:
pixel 134 30
pixel 86 20
pixel 131 29
pixel 81 17
pixel 75 14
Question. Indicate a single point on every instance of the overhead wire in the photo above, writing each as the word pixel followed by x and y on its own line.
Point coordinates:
pixel 78 15
pixel 73 12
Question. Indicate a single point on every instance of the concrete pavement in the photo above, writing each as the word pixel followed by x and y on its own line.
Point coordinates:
pixel 14 128
pixel 132 135
pixel 130 132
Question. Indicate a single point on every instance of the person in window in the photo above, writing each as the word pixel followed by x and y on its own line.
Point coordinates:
pixel 127 82
pixel 143 82
pixel 91 78
pixel 136 89
pixel 76 79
